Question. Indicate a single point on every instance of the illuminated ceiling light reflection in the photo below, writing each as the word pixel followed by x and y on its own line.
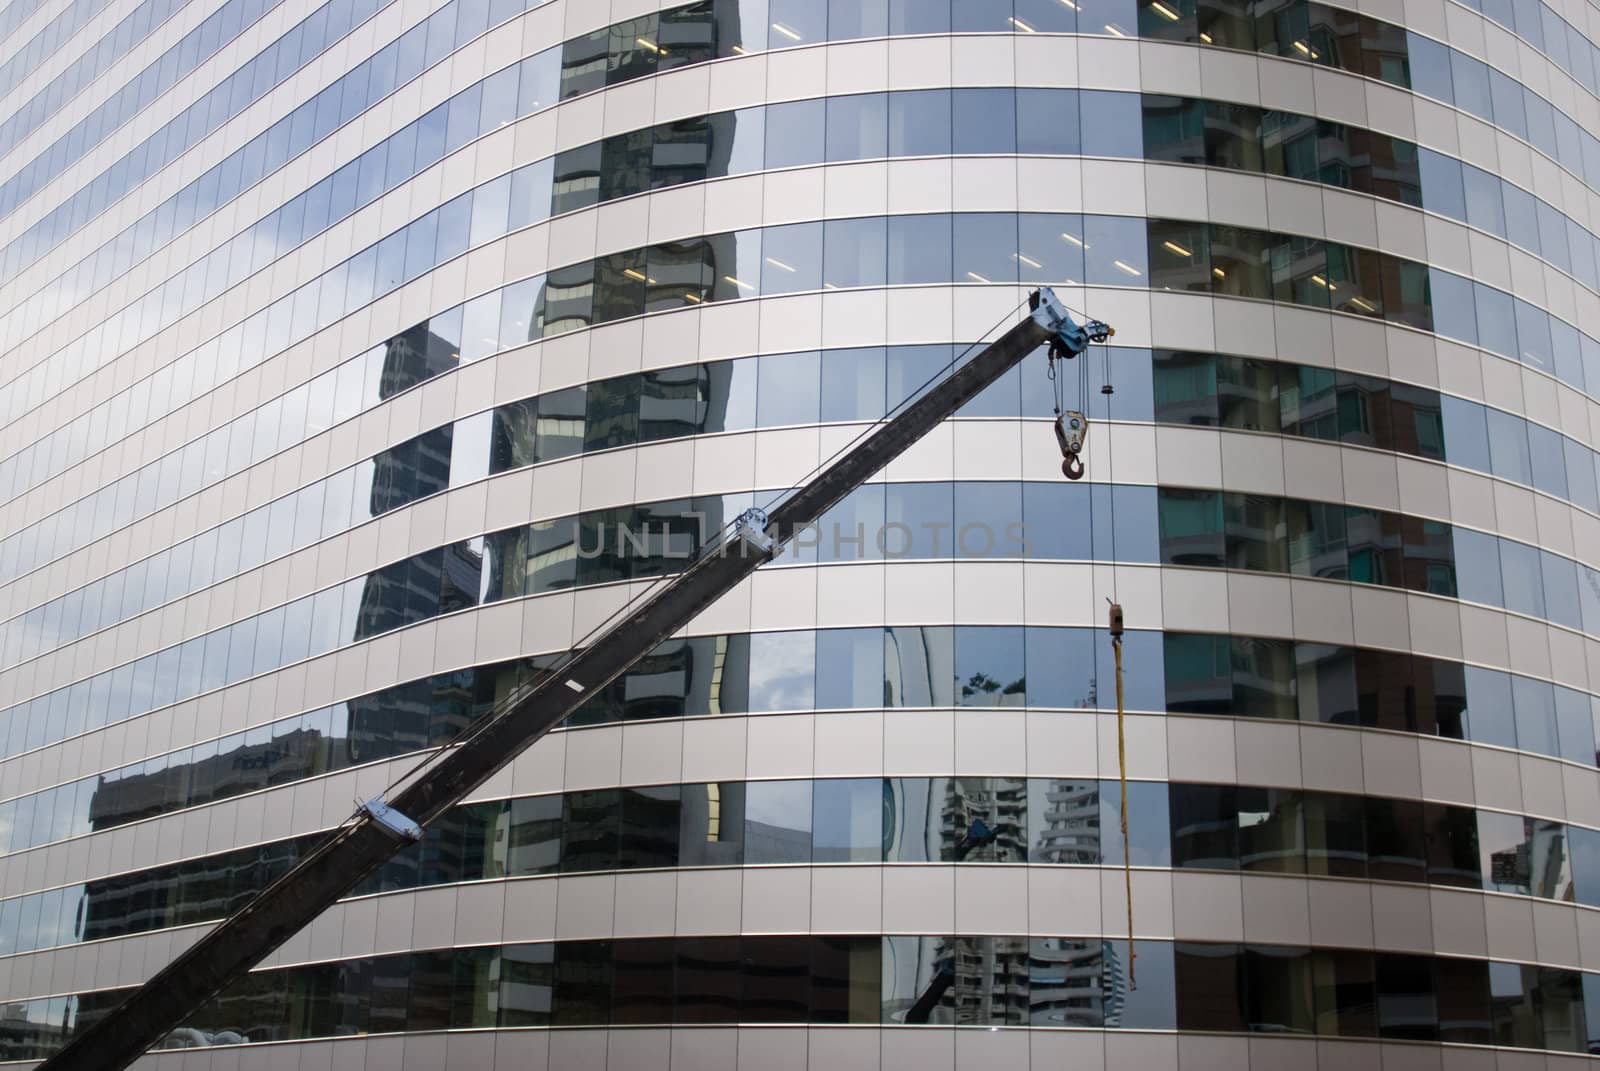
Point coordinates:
pixel 1178 249
pixel 790 34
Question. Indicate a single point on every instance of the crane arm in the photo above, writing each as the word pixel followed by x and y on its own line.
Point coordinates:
pixel 381 828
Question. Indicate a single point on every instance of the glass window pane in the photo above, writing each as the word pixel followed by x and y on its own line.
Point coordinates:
pixel 804 126
pixel 792 258
pixel 777 822
pixel 1115 251
pixel 782 671
pixel 847 820
pixel 985 121
pixel 919 666
pixel 788 389
pixel 985 246
pixel 919 123
pixel 850 668
pixel 919 249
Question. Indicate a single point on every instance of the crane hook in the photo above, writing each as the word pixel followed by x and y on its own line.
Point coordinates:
pixel 1072 428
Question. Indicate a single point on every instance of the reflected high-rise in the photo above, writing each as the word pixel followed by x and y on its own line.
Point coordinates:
pixel 360 360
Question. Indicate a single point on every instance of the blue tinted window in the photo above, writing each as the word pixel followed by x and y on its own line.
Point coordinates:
pixel 1575 731
pixel 791 258
pixel 1477 558
pixel 1115 251
pixel 1560 577
pixel 1051 513
pixel 1508 445
pixel 1497 325
pixel 1566 351
pixel 1581 475
pixel 989 666
pixel 919 123
pixel 788 390
pixel 1441 184
pixel 985 121
pixel 1585 847
pixel 1466 435
pixel 1450 297
pixel 854 253
pixel 1507 102
pixel 857 128
pixel 1485 203
pixel 1471 81
pixel 847 820
pixel 1549 460
pixel 1112 124
pixel 1553 237
pixel 1522 216
pixel 1047 121
pixel 851 673
pixel 919 16
pixel 919 249
pixel 1061 667
pixel 1053 246
pixel 1536 715
pixel 919 521
pixel 1533 335
pixel 1489 711
pixel 853 384
pixel 985 247
pixel 804 124
pixel 1522 576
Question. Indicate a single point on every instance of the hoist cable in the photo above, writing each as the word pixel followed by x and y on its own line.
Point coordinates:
pixel 1127 847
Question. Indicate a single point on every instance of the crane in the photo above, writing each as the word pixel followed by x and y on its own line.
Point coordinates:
pixel 382 826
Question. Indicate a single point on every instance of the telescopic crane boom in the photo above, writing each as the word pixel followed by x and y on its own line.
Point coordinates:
pixel 381 828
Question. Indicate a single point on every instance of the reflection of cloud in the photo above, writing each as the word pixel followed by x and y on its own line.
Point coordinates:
pixel 780 803
pixel 781 675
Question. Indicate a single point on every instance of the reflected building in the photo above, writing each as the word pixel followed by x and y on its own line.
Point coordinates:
pixel 1067 829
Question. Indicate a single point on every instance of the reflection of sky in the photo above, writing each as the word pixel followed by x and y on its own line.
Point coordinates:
pixel 786 804
pixel 848 814
pixel 1151 1005
pixel 781 670
pixel 908 965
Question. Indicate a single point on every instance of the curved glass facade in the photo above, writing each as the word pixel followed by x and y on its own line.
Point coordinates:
pixel 360 358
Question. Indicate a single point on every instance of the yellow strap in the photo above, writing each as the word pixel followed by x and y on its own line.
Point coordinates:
pixel 1127 848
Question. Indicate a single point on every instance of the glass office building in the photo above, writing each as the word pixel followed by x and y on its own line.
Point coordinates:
pixel 357 360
